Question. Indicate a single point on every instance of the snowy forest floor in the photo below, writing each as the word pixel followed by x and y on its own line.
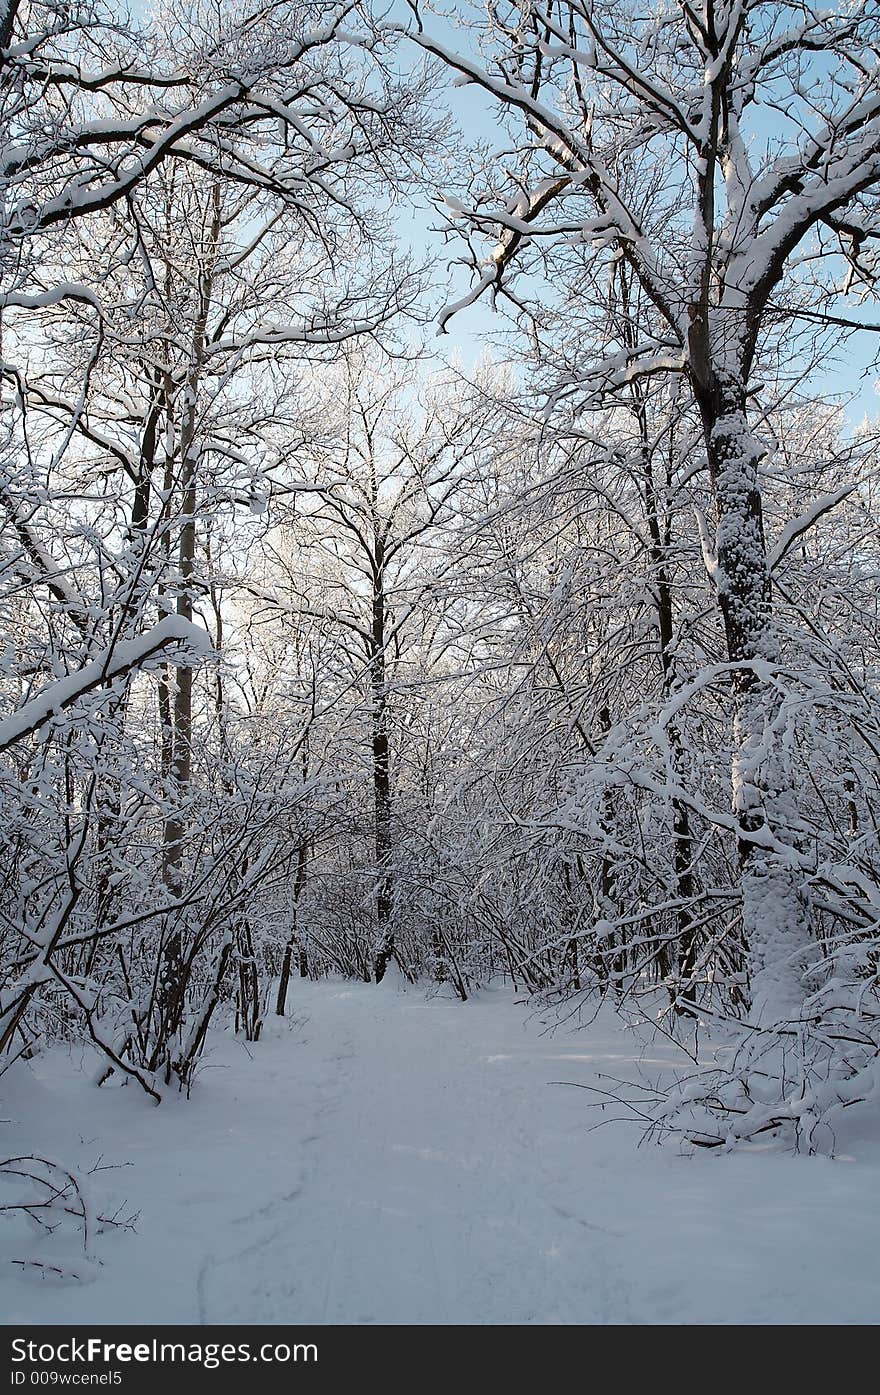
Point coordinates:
pixel 389 1157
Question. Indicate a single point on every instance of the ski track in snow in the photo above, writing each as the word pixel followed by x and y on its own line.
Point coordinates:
pixel 395 1158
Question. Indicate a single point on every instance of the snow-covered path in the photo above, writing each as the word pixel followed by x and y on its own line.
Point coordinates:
pixel 421 1187
pixel 392 1158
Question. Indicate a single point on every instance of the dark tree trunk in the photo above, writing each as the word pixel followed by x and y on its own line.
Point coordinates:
pixel 381 774
pixel 292 942
pixel 682 962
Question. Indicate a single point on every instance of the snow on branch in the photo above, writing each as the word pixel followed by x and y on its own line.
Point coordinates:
pixel 68 290
pixel 800 525
pixel 116 660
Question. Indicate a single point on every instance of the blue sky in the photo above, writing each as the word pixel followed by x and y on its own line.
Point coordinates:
pixel 469 331
pixel 851 376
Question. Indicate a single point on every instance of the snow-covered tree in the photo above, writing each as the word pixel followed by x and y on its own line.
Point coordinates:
pixel 645 147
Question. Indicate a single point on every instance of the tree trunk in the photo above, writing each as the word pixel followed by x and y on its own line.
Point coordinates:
pixel 174 972
pixel 381 776
pixel 775 917
pixel 181 760
pixel 681 959
pixel 287 961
